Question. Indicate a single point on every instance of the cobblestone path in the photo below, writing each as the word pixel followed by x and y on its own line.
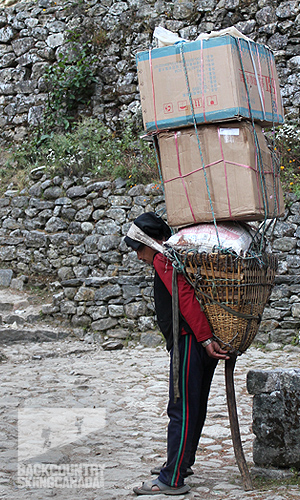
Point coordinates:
pixel 131 386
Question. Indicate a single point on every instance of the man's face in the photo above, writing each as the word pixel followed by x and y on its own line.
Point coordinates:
pixel 146 254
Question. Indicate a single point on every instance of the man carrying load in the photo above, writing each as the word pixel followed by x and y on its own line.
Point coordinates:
pixel 198 354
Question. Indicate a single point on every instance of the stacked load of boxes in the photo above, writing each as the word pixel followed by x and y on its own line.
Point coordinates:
pixel 206 103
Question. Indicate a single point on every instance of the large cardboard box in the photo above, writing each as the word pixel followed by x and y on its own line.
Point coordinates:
pixel 222 73
pixel 242 181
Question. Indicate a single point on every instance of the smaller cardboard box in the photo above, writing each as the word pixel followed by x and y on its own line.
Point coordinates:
pixel 228 78
pixel 241 181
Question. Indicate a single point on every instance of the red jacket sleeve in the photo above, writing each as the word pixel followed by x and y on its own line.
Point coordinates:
pixel 188 304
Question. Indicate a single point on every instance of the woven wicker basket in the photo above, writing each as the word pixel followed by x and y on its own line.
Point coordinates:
pixel 233 292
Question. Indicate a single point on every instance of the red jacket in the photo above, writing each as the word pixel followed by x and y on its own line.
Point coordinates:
pixel 188 304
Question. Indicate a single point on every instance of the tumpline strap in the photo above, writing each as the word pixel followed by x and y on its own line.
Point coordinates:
pixel 175 318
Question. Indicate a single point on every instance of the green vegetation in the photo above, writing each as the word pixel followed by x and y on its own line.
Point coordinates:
pixel 287 140
pixel 265 484
pixel 69 87
pixel 89 149
pixel 70 83
pixel 68 144
pixel 11 175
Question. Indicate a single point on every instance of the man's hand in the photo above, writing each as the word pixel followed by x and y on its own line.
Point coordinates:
pixel 214 351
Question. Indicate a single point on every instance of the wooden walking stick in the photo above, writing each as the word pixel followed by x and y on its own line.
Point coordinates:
pixel 234 424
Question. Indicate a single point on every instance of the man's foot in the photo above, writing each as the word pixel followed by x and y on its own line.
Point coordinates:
pixel 156 487
pixel 156 470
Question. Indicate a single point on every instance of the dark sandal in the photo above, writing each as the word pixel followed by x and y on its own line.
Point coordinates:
pixel 147 488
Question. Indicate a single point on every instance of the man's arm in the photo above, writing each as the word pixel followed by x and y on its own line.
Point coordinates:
pixel 189 306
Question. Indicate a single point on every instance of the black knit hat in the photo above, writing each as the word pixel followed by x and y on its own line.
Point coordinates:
pixel 152 225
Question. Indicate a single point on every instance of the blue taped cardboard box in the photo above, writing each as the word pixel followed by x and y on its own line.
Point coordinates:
pixel 226 76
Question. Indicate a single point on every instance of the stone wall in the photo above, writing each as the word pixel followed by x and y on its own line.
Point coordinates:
pixel 276 418
pixel 281 319
pixel 33 34
pixel 69 233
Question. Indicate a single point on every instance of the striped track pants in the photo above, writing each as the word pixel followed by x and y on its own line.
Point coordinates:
pixel 187 415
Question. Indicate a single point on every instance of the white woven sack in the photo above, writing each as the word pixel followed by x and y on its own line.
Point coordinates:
pixel 203 237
